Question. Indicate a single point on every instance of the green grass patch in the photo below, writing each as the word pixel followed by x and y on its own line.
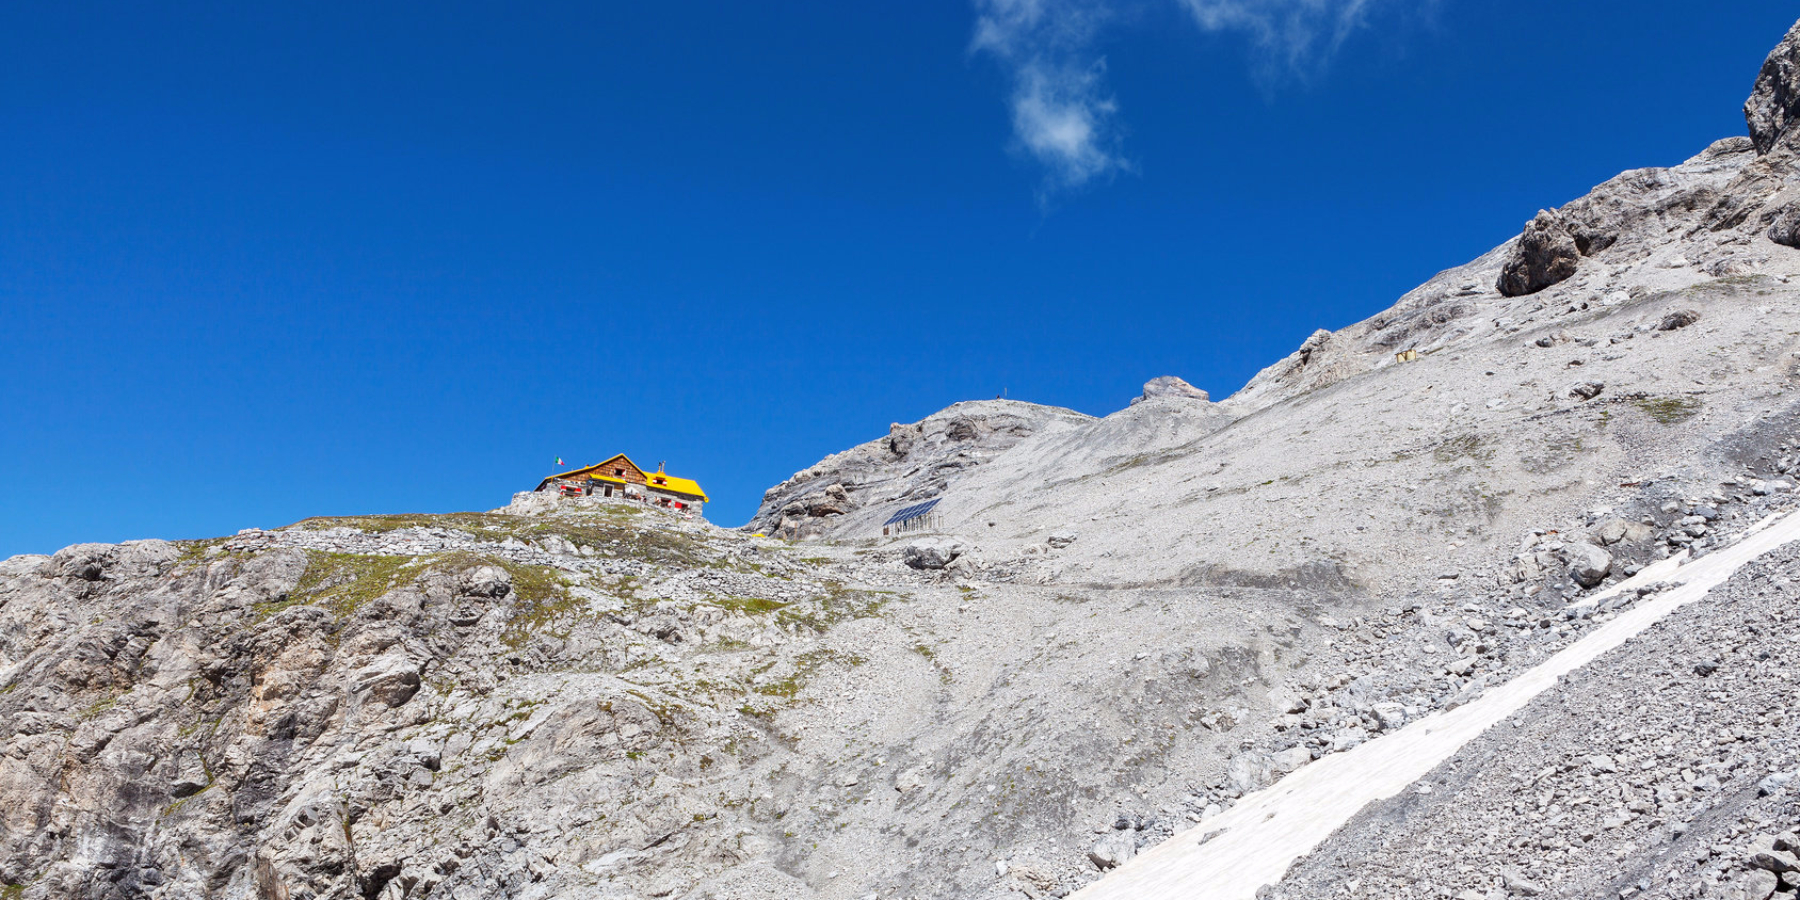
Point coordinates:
pixel 805 666
pixel 211 725
pixel 99 706
pixel 621 536
pixel 786 688
pixel 615 511
pixel 840 604
pixel 344 583
pixel 1463 446
pixel 753 606
pixel 177 805
pixel 341 582
pixel 653 545
pixel 1669 410
pixel 195 551
pixel 1126 465
pixel 486 526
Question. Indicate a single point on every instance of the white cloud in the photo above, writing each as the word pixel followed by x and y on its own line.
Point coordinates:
pixel 1294 35
pixel 1062 114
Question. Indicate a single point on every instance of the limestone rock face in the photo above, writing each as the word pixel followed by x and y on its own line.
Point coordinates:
pixel 1546 254
pixel 1774 103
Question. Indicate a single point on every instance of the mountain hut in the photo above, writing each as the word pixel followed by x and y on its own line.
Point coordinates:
pixel 620 478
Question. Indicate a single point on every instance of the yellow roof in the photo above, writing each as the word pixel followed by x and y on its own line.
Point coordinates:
pixel 666 482
pixel 684 486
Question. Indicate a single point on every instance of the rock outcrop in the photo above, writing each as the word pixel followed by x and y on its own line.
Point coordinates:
pixel 933 553
pixel 1784 229
pixel 913 462
pixel 1774 103
pixel 1170 386
pixel 1546 254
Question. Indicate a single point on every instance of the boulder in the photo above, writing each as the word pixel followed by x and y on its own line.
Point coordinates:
pixel 1776 861
pixel 1759 884
pixel 910 780
pixel 1112 851
pixel 1774 102
pixel 486 581
pixel 1587 390
pixel 1248 770
pixel 1290 759
pixel 932 553
pixel 1389 716
pixel 1545 254
pixel 1774 782
pixel 1785 229
pixel 1171 386
pixel 1516 882
pixel 1679 319
pixel 531 503
pixel 1614 531
pixel 1588 564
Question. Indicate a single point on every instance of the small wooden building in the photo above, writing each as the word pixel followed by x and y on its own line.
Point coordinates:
pixel 618 477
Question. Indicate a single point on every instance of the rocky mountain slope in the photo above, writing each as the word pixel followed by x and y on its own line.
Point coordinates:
pixel 1654 354
pixel 1128 623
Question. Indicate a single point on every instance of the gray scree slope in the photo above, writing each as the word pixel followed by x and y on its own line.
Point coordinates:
pixel 1238 854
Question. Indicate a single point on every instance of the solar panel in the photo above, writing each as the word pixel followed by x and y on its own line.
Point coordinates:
pixel 912 512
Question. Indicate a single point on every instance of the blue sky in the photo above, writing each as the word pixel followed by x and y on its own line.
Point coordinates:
pixel 259 264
